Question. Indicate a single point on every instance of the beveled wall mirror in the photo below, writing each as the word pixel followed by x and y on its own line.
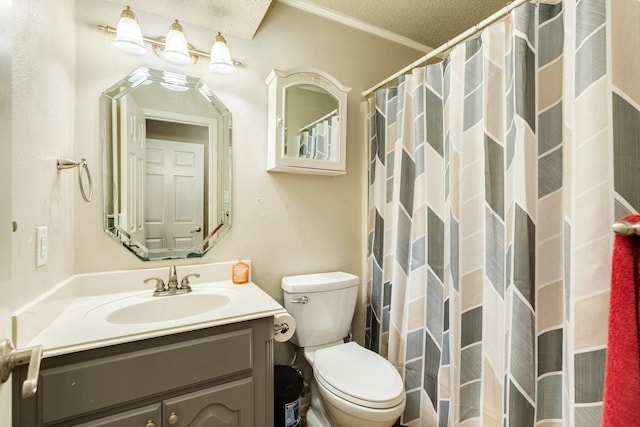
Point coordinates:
pixel 307 128
pixel 167 165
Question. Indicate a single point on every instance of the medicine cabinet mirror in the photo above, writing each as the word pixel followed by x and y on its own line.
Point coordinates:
pixel 307 130
pixel 167 165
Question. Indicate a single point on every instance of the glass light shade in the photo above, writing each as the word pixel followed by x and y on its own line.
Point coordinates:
pixel 176 49
pixel 221 57
pixel 128 34
pixel 174 82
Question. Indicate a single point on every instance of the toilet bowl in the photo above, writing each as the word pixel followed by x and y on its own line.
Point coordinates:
pixel 357 387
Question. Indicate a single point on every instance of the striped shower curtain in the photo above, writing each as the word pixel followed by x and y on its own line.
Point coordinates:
pixel 494 178
pixel 320 141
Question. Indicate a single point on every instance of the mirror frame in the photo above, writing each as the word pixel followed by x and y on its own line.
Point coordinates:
pixel 221 187
pixel 278 81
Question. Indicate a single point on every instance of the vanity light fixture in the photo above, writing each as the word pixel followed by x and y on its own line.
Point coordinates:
pixel 221 61
pixel 128 34
pixel 173 47
pixel 176 49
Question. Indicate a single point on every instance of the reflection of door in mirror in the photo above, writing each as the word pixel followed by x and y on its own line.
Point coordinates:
pixel 175 208
pixel 174 211
pixel 132 173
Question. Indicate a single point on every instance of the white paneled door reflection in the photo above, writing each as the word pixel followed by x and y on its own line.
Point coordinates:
pixel 133 139
pixel 174 210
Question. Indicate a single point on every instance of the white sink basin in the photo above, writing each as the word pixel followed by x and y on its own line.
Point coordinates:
pixel 101 309
pixel 144 308
pixel 162 309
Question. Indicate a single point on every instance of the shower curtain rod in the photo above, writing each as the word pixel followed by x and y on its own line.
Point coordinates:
pixel 454 41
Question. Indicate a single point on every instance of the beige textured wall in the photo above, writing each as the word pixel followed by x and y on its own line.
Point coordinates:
pixel 42 99
pixel 36 125
pixel 59 64
pixel 6 290
pixel 54 65
pixel 285 223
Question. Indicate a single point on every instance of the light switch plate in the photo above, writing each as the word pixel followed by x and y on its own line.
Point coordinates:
pixel 41 245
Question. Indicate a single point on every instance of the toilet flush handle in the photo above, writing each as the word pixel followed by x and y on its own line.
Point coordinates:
pixel 302 300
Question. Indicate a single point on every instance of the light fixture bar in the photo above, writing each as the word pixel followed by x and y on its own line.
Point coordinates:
pixel 173 48
pixel 160 43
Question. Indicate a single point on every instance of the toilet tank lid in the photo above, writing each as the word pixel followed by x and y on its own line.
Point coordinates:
pixel 318 282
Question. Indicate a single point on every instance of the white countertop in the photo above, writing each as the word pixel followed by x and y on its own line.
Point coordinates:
pixel 73 316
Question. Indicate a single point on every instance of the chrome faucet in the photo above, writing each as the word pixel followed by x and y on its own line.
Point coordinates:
pixel 173 278
pixel 172 287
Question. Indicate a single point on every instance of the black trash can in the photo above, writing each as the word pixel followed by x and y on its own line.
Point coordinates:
pixel 287 387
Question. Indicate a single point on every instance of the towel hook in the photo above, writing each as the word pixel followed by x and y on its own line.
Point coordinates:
pixel 63 163
pixel 626 228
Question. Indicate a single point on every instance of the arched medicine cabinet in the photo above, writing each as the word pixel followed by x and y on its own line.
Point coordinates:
pixel 307 130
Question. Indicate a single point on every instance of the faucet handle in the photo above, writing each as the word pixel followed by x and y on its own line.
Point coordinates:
pixel 184 283
pixel 160 286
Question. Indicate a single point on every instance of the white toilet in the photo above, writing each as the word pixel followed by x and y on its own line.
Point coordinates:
pixel 353 387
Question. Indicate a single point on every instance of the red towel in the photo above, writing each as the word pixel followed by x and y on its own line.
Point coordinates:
pixel 622 370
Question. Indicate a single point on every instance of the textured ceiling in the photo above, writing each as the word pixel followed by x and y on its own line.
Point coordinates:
pixel 428 22
pixel 419 23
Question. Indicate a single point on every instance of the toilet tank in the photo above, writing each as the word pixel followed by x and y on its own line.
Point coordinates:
pixel 322 305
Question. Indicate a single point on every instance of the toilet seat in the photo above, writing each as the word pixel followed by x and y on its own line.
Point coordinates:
pixel 359 376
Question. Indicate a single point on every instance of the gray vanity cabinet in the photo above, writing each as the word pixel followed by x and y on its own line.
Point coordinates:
pixel 225 406
pixel 214 377
pixel 148 416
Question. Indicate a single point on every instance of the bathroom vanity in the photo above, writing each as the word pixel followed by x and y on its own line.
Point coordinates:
pixel 126 358
pixel 218 376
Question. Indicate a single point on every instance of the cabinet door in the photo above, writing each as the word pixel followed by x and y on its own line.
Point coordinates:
pixel 76 389
pixel 227 405
pixel 307 122
pixel 148 416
